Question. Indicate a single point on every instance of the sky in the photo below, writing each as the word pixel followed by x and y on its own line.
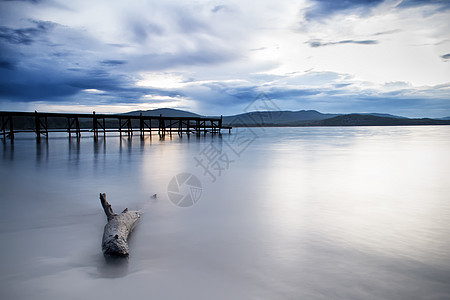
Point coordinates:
pixel 216 57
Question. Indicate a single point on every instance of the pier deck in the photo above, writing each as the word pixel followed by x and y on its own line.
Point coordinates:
pixel 13 122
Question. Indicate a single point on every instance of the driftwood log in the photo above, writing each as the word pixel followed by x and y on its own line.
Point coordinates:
pixel 117 230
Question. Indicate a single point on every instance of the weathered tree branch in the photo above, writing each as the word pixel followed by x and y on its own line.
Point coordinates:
pixel 117 230
pixel 106 206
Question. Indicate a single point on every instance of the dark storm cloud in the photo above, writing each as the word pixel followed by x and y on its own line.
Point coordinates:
pixel 96 79
pixel 31 1
pixel 142 29
pixel 55 85
pixel 113 62
pixel 321 9
pixel 61 54
pixel 196 57
pixel 446 56
pixel 387 32
pixel 25 36
pixel 29 85
pixel 188 23
pixel 258 49
pixel 289 93
pixel 72 63
pixel 442 4
pixel 218 8
pixel 318 43
pixel 7 64
pixel 341 85
pixel 245 94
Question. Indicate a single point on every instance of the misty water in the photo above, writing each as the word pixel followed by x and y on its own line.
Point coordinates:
pixel 284 213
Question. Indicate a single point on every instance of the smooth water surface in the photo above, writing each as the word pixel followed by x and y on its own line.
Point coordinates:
pixel 284 213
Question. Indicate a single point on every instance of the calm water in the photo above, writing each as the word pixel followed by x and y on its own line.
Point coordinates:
pixel 293 213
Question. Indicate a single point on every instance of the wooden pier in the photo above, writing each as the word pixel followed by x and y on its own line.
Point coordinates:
pixel 74 124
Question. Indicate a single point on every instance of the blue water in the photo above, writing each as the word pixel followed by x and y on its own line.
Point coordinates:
pixel 281 213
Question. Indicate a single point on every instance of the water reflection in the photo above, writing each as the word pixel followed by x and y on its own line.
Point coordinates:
pixel 309 213
pixel 377 195
pixel 74 152
pixel 42 151
pixel 113 267
pixel 8 150
pixel 99 143
pixel 126 141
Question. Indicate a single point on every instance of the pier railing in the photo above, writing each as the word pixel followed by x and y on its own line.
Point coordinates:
pixel 13 122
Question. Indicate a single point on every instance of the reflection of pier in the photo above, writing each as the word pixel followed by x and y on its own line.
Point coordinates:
pixel 43 123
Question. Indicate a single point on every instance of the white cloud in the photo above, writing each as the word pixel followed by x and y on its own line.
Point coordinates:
pixel 93 91
pixel 161 80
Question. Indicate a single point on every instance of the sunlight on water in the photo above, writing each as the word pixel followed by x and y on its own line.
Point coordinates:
pixel 300 213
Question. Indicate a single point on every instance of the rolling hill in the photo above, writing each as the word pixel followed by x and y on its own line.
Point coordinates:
pixel 166 112
pixel 273 118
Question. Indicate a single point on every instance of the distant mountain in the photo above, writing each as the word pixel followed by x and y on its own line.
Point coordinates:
pixel 371 120
pixel 274 118
pixel 315 118
pixel 445 118
pixel 165 112
pixel 381 115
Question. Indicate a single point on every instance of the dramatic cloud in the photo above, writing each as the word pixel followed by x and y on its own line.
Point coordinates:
pixel 216 57
pixel 25 36
pixel 31 1
pixel 113 62
pixel 440 4
pixel 324 8
pixel 6 65
pixel 319 43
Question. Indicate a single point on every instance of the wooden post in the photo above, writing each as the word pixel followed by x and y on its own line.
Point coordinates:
pixel 37 124
pixel 220 124
pixel 150 127
pixel 104 127
pixel 46 126
pixel 68 127
pixel 141 125
pixel 11 129
pixel 4 128
pixel 130 128
pixel 77 126
pixel 120 127
pixel 94 126
pixel 162 126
